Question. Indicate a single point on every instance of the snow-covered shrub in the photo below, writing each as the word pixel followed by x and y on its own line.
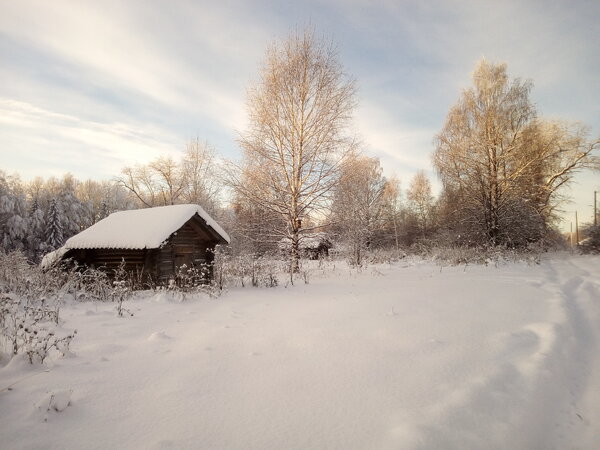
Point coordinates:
pixel 221 268
pixel 189 279
pixel 196 280
pixel 305 274
pixel 460 254
pixel 121 289
pixel 385 255
pixel 263 271
pixel 91 284
pixel 19 277
pixel 591 243
pixel 31 328
pixel 241 270
pixel 39 340
pixel 29 308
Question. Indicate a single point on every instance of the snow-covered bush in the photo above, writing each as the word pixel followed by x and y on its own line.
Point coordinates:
pixel 385 255
pixel 189 279
pixel 30 298
pixel 89 285
pixel 30 307
pixel 244 269
pixel 121 289
pixel 31 328
pixel 17 276
pixel 198 280
pixel 264 272
pixel 591 243
pixel 221 267
pixel 460 254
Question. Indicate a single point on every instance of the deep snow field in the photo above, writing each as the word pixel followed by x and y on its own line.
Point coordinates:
pixel 403 356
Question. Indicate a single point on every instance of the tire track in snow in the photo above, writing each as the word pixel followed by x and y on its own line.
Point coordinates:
pixel 581 289
pixel 556 413
pixel 532 397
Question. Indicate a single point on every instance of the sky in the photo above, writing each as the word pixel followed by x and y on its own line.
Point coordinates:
pixel 89 87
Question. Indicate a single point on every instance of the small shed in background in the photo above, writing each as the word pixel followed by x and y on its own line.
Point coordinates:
pixel 153 242
pixel 312 245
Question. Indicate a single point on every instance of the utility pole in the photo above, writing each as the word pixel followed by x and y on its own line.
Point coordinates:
pixel 576 230
pixel 571 235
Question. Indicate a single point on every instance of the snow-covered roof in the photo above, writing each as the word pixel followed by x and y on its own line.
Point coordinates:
pixel 140 228
pixel 52 257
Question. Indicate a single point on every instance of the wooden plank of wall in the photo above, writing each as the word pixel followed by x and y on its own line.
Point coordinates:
pixel 185 241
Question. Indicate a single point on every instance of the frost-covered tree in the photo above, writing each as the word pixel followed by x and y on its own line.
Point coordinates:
pixel 158 183
pixel 166 181
pixel 421 203
pixel 358 207
pixel 255 230
pixel 36 245
pixel 13 213
pixel 393 214
pixel 202 176
pixel 502 166
pixel 72 211
pixel 99 198
pixel 104 211
pixel 54 230
pixel 591 241
pixel 298 133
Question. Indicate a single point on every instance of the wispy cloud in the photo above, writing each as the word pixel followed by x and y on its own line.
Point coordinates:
pixel 59 141
pixel 123 81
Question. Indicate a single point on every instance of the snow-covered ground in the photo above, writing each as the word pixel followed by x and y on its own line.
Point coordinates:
pixel 402 356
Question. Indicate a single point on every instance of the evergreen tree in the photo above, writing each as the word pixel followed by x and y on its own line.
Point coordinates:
pixel 104 212
pixel 36 246
pixel 54 230
pixel 35 205
pixel 13 212
pixel 70 208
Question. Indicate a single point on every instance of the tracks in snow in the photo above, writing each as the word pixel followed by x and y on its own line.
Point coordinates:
pixel 578 283
pixel 555 417
pixel 543 390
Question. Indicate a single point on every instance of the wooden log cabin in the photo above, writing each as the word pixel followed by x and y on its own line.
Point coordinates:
pixel 153 242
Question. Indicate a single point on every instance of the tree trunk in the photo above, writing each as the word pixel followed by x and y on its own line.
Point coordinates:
pixel 295 255
pixel 295 249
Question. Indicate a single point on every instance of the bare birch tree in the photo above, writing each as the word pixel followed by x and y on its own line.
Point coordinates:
pixel 358 208
pixel 202 176
pixel 421 202
pixel 393 210
pixel 165 181
pixel 299 114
